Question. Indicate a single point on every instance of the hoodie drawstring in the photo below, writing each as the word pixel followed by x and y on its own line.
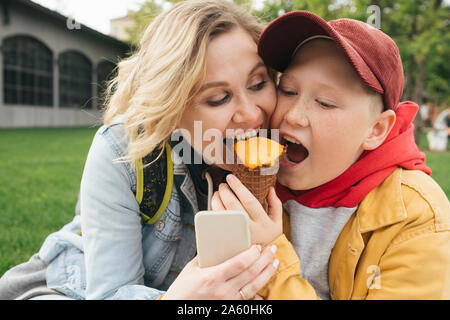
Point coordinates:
pixel 210 188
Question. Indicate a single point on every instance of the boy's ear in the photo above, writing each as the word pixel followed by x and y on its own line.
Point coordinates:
pixel 380 130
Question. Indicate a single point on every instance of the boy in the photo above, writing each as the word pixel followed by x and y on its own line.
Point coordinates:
pixel 363 217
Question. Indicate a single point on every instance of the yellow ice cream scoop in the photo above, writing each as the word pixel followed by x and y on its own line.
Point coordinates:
pixel 258 152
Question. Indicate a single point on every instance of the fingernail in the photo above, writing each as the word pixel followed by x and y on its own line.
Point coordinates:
pixel 259 247
pixel 276 262
pixel 273 248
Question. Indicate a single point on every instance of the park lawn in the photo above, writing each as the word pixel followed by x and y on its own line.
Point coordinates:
pixel 439 162
pixel 40 175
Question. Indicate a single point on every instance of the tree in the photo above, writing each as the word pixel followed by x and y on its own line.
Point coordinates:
pixel 327 9
pixel 151 8
pixel 142 18
pixel 420 31
pixel 247 4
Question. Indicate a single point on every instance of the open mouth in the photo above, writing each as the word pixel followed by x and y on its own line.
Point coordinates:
pixel 240 135
pixel 295 151
pixel 230 140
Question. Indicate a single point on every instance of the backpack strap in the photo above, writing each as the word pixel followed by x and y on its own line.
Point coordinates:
pixel 154 185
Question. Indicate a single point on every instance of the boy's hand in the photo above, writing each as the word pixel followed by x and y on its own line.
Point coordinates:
pixel 264 226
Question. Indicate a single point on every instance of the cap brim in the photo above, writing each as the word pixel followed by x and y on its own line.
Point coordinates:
pixel 282 36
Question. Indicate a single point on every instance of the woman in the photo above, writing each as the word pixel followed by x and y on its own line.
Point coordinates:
pixel 196 62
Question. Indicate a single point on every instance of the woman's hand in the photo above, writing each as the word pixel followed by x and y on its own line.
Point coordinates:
pixel 247 272
pixel 264 226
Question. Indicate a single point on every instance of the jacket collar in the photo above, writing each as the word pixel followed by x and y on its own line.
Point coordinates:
pixel 374 214
pixel 190 181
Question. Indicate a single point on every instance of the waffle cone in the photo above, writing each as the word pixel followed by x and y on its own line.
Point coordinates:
pixel 258 181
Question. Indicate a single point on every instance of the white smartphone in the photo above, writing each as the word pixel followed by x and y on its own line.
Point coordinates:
pixel 220 235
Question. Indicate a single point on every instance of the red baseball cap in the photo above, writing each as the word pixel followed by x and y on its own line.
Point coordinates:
pixel 372 54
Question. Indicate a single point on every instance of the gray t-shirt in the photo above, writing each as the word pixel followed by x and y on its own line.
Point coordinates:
pixel 313 235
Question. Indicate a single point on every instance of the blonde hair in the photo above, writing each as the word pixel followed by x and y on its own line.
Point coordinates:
pixel 155 84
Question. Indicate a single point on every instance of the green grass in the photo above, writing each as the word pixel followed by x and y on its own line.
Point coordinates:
pixel 439 162
pixel 40 175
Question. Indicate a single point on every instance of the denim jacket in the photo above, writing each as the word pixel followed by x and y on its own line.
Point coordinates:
pixel 118 257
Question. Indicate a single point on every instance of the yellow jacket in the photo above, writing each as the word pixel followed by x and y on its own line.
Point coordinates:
pixel 395 246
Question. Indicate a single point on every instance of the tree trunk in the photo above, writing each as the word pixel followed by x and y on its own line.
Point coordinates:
pixel 418 97
pixel 409 81
pixel 410 63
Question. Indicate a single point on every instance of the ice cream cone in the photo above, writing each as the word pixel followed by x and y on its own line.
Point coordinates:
pixel 259 174
pixel 258 184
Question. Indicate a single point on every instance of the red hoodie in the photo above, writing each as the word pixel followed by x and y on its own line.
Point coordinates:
pixel 349 189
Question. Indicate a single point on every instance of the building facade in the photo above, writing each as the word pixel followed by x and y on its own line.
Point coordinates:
pixel 118 26
pixel 52 69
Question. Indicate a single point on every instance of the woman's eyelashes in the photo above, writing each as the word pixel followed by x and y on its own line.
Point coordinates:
pixel 221 100
pixel 258 82
pixel 258 86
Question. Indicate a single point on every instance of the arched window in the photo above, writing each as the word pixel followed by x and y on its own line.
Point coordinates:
pixel 75 80
pixel 27 72
pixel 105 72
